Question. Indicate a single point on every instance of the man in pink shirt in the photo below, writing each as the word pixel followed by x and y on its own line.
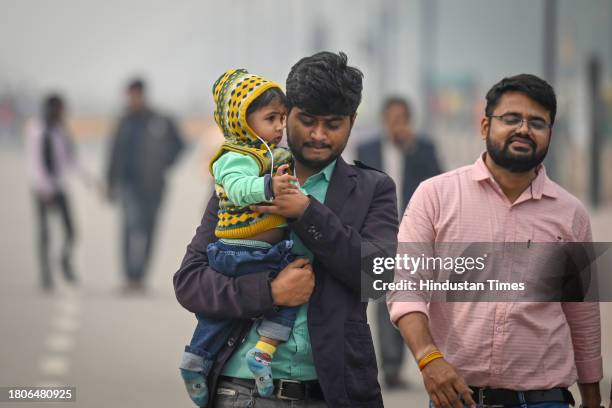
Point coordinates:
pixel 504 354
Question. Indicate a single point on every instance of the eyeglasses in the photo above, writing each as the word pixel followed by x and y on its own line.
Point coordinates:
pixel 514 120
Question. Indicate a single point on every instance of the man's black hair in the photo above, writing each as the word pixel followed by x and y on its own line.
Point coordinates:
pixel 396 100
pixel 323 84
pixel 136 84
pixel 52 108
pixel 267 97
pixel 532 86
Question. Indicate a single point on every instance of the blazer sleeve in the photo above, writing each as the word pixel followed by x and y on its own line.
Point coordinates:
pixel 338 246
pixel 200 289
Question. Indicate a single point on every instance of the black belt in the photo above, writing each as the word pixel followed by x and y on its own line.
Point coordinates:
pixel 285 389
pixel 499 397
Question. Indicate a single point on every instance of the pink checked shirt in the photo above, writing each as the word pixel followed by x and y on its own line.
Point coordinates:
pixel 521 345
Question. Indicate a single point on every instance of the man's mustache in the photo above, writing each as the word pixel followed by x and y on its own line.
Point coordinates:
pixel 316 145
pixel 522 138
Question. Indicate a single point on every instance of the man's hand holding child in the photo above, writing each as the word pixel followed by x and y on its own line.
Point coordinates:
pixel 289 201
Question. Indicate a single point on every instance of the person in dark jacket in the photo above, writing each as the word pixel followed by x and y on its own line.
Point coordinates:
pixel 143 148
pixel 329 359
pixel 408 158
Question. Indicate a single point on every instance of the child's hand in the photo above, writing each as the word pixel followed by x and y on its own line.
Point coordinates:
pixel 283 183
pixel 282 170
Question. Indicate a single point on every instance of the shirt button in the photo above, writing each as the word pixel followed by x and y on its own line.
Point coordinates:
pixel 230 342
pixel 499 329
pixel 497 371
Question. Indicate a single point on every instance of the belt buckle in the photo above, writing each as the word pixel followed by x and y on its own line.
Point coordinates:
pixel 279 393
pixel 481 400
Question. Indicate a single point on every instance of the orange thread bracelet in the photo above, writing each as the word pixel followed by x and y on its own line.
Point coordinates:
pixel 434 355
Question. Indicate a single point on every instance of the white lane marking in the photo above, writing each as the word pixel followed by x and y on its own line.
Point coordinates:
pixel 53 366
pixel 66 324
pixel 69 308
pixel 49 384
pixel 60 343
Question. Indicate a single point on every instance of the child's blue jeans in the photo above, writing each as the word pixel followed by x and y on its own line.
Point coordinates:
pixel 233 259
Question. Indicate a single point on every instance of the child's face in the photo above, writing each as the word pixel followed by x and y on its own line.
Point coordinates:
pixel 268 122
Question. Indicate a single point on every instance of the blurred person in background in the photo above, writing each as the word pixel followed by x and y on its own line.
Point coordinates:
pixel 408 158
pixel 51 155
pixel 8 118
pixel 143 148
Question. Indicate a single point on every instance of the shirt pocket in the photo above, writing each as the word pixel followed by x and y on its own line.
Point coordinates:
pixel 544 263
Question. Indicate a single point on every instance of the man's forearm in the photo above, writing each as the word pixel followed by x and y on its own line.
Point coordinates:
pixel 583 319
pixel 590 395
pixel 443 384
pixel 414 328
pixel 201 289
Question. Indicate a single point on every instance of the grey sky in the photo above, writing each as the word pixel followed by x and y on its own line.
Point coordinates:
pixel 89 48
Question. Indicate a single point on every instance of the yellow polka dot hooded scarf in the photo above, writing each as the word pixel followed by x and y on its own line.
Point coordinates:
pixel 233 92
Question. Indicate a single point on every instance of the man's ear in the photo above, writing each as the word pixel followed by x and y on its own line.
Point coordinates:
pixel 485 124
pixel 353 117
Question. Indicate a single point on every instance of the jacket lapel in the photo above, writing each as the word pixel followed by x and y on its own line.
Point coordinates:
pixel 340 187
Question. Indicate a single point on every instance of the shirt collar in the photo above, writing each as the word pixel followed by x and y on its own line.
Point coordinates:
pixel 325 173
pixel 540 186
pixel 328 170
pixel 479 169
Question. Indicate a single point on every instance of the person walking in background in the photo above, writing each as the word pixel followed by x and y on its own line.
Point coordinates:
pixel 408 158
pixel 405 155
pixel 143 148
pixel 51 155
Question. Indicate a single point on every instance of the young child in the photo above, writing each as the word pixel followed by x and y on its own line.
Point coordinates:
pixel 248 169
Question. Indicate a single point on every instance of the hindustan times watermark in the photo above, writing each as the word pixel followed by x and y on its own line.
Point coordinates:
pixel 447 285
pixel 487 271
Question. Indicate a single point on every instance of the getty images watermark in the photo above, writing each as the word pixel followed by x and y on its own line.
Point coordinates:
pixel 458 265
pixel 487 271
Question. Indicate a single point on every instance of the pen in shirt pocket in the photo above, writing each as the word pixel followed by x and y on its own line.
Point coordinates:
pixel 559 239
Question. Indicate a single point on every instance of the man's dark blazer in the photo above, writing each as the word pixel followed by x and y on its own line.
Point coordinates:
pixel 360 205
pixel 420 163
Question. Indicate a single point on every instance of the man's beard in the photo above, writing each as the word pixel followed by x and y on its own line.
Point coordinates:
pixel 316 164
pixel 516 164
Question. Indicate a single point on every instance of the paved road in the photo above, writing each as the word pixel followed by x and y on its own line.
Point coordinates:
pixel 118 351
